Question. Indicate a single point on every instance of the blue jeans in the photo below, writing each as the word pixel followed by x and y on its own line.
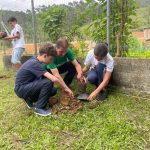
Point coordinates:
pixel 16 55
pixel 95 75
pixel 38 91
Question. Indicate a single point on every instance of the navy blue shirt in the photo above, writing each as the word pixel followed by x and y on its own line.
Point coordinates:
pixel 31 70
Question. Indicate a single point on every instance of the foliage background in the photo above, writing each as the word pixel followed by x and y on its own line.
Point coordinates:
pixel 72 22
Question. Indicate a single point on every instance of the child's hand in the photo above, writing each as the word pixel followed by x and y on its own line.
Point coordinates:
pixel 69 92
pixel 83 80
pixel 92 96
pixel 79 76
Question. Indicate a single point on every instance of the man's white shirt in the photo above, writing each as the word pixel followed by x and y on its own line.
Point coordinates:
pixel 18 43
pixel 92 61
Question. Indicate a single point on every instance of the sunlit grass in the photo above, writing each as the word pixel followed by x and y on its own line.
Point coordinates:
pixel 139 54
pixel 120 123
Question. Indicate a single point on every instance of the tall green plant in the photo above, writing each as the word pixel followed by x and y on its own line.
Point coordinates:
pixel 120 23
pixel 53 20
pixel 62 20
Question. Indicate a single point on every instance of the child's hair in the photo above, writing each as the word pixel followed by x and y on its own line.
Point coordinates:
pixel 62 43
pixel 101 50
pixel 48 49
pixel 3 35
pixel 12 19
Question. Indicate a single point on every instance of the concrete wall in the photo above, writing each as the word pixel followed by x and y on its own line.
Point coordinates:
pixel 132 73
pixel 7 60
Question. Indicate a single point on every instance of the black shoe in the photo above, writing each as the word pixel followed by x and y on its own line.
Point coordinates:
pixel 42 112
pixel 29 103
pixel 102 96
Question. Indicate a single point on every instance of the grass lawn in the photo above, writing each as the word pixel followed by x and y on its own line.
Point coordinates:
pixel 120 123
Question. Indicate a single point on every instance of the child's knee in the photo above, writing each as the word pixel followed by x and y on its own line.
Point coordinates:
pixel 92 78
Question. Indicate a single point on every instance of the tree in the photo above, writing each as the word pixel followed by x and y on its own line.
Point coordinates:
pixel 53 20
pixel 120 23
pixel 62 20
pixel 126 10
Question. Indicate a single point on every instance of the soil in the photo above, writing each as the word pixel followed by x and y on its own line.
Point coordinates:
pixel 3 77
pixel 53 101
pixel 67 104
pixel 81 87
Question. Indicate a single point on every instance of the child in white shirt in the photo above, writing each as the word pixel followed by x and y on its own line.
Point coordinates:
pixel 18 42
pixel 99 66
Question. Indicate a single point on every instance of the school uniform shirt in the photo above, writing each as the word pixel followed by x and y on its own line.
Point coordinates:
pixel 18 42
pixel 30 71
pixel 92 61
pixel 60 60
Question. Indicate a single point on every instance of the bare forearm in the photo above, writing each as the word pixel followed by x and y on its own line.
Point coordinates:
pixel 102 86
pixel 12 37
pixel 62 81
pixel 55 80
pixel 78 67
pixel 61 84
pixel 79 70
pixel 58 76
pixel 105 82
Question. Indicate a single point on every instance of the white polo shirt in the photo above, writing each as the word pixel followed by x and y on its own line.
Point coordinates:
pixel 18 43
pixel 92 61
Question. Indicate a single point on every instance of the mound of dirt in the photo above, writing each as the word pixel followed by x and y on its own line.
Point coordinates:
pixel 53 101
pixel 67 104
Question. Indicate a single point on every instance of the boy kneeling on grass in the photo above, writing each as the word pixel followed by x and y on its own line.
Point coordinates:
pixel 65 62
pixel 34 84
pixel 99 66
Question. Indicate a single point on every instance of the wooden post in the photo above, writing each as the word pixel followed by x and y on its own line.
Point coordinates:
pixel 108 23
pixel 34 27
